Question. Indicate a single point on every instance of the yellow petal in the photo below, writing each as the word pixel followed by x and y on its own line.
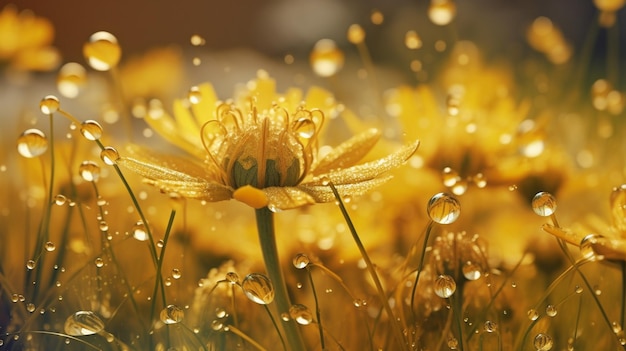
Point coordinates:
pixel 348 153
pixel 198 189
pixel 323 193
pixel 251 196
pixel 285 198
pixel 204 110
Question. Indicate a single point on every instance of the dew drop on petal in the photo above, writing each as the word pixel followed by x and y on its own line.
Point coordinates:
pixel 109 155
pixel 301 314
pixel 32 143
pixel 139 231
pixel 89 171
pixel 71 78
pixel 544 204
pixel 543 342
pixel 326 58
pixel 49 104
pixel 304 128
pixel 258 288
pixel 102 51
pixel 91 130
pixel 172 314
pixel 194 95
pixel 301 261
pixel 83 323
pixel 445 286
pixel 444 208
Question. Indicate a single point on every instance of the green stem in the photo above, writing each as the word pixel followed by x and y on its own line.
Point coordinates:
pixel 267 238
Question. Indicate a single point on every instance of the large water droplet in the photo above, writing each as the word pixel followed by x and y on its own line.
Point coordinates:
pixel 543 342
pixel 326 58
pixel 444 208
pixel 89 171
pixel 301 261
pixel 91 130
pixel 83 323
pixel 109 155
pixel 544 204
pixel 304 128
pixel 71 78
pixel 301 314
pixel 258 288
pixel 139 231
pixel 445 286
pixel 356 34
pixel 102 51
pixel 618 207
pixel 49 104
pixel 32 143
pixel 471 271
pixel 172 314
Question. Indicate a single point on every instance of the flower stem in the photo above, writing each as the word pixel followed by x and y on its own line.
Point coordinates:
pixel 267 238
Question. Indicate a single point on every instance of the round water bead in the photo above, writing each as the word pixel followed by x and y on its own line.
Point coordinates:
pixel 83 323
pixel 301 314
pixel 587 246
pixel 544 204
pixel 441 12
pixel 89 171
pixel 49 104
pixel 102 51
pixel 356 34
pixel 444 208
pixel 139 231
pixel 91 130
pixel 258 288
pixel 60 200
pixel 50 246
pixel 304 128
pixel 109 155
pixel 551 310
pixel 232 277
pixel 71 78
pixel 543 342
pixel 532 314
pixel 326 58
pixel 172 314
pixel 32 143
pixel 490 326
pixel 194 95
pixel 176 274
pixel 471 271
pixel 445 286
pixel 301 261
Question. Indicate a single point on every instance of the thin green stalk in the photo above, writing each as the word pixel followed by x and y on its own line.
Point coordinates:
pixel 318 313
pixel 159 279
pixel 397 331
pixel 267 238
pixel 245 337
pixel 420 267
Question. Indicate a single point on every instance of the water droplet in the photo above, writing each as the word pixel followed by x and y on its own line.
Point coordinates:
pixel 99 262
pixel 71 78
pixel 453 343
pixel 49 104
pixel 471 271
pixel 139 231
pixel 197 40
pixel 377 17
pixel 441 12
pixel 194 95
pixel 220 313
pixel 89 171
pixel 356 34
pixel 172 314
pixel 30 264
pixel 50 246
pixel 480 180
pixel 543 342
pixel 445 286
pixel 544 204
pixel 301 261
pixel 325 180
pixel 326 58
pixel 30 307
pixel 83 323
pixel 232 277
pixel 587 246
pixel 217 324
pixel 578 289
pixel 618 207
pixel 304 128
pixel 176 273
pixel 532 314
pixel 412 40
pixel 91 130
pixel 102 51
pixel 490 326
pixel 551 310
pixel 109 155
pixel 258 288
pixel 301 314
pixel 60 200
pixel 460 187
pixel 444 208
pixel 32 143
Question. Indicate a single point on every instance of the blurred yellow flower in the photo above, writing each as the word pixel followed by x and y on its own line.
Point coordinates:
pixel 260 150
pixel 26 41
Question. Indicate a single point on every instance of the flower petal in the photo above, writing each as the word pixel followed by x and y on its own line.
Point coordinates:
pixel 199 189
pixel 323 193
pixel 159 166
pixel 285 198
pixel 366 171
pixel 348 153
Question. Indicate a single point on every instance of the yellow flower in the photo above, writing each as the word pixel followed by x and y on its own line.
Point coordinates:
pixel 26 41
pixel 261 149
